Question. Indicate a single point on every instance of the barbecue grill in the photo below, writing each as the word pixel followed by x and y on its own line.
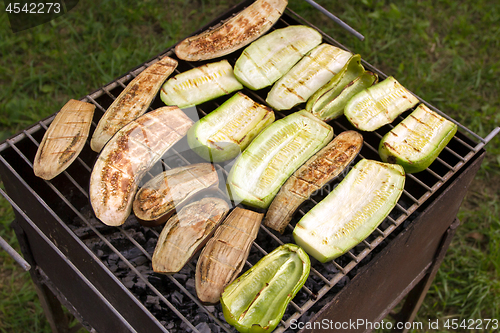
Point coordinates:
pixel 103 274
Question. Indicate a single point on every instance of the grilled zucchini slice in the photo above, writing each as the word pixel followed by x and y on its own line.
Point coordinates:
pixel 308 75
pixel 379 105
pixel 271 56
pixel 64 139
pixel 329 102
pixel 417 140
pixel 237 32
pixel 200 84
pixel 352 211
pixel 325 165
pixel 226 132
pixel 274 155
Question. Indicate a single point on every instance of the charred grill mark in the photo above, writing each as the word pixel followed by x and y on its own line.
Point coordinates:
pixel 70 150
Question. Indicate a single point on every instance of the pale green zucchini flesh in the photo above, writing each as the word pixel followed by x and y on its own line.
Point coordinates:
pixel 200 84
pixel 257 300
pixel 307 76
pixel 271 56
pixel 352 211
pixel 417 140
pixel 329 101
pixel 226 132
pixel 379 105
pixel 260 171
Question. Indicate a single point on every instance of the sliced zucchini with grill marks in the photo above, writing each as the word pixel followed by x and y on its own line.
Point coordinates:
pixel 64 139
pixel 417 140
pixel 238 31
pixel 224 256
pixel 200 84
pixel 225 132
pixel 325 165
pixel 352 211
pixel 186 232
pixel 257 300
pixel 307 76
pixel 271 56
pixel 379 105
pixel 132 102
pixel 329 102
pixel 274 155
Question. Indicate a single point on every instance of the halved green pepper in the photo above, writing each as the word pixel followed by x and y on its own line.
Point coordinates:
pixel 256 301
pixel 329 101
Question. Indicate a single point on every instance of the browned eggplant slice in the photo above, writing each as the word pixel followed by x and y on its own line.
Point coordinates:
pixel 133 101
pixel 64 139
pixel 327 164
pixel 238 31
pixel 128 156
pixel 223 257
pixel 160 197
pixel 186 232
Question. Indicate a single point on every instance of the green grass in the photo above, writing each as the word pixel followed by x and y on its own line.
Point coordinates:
pixel 444 51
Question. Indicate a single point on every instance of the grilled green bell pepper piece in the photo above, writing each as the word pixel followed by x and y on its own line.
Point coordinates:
pixel 329 101
pixel 257 300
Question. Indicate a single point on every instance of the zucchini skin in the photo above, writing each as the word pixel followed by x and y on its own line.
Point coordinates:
pixel 328 102
pixel 225 132
pixel 324 166
pixel 235 33
pixel 200 84
pixel 125 159
pixel 312 72
pixel 352 211
pixel 64 139
pixel 257 300
pixel 270 57
pixel 417 140
pixel 379 105
pixel 274 155
pixel 132 102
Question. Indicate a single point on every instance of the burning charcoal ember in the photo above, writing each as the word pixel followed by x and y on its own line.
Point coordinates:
pixel 214 328
pixel 176 298
pixel 203 328
pixel 140 260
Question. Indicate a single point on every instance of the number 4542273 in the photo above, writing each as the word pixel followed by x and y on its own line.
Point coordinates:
pixel 471 324
pixel 33 8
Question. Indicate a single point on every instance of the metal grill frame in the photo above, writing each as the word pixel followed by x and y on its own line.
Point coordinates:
pixel 440 173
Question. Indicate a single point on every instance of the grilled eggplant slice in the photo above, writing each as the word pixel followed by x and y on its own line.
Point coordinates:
pixel 307 76
pixel 329 102
pixel 417 140
pixel 64 139
pixel 200 84
pixel 235 33
pixel 379 105
pixel 271 56
pixel 352 211
pixel 325 165
pixel 160 197
pixel 186 232
pixel 226 132
pixel 274 155
pixel 128 156
pixel 223 258
pixel 133 101
pixel 257 300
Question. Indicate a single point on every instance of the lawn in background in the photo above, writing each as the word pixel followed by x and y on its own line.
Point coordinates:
pixel 444 51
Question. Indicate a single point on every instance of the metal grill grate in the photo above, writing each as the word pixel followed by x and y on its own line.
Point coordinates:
pixel 66 198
